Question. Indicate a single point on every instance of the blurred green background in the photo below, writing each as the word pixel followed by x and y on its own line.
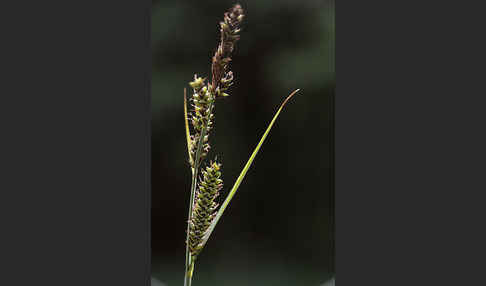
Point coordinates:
pixel 278 230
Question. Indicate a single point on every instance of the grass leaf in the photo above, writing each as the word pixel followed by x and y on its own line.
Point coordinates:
pixel 243 173
pixel 188 134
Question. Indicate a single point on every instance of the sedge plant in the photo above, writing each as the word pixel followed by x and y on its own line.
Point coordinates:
pixel 203 213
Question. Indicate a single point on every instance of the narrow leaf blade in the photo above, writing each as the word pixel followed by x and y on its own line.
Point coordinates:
pixel 188 134
pixel 243 172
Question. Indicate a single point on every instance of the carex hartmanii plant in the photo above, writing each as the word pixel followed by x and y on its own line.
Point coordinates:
pixel 206 184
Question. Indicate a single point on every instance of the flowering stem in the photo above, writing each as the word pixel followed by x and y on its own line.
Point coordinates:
pixel 221 80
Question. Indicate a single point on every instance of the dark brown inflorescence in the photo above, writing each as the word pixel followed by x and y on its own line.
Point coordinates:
pixel 204 94
pixel 229 28
pixel 204 209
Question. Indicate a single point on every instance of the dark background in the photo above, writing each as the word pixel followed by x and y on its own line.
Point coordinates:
pixel 278 228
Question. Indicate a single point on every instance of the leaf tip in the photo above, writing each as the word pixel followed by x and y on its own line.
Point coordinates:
pixel 290 96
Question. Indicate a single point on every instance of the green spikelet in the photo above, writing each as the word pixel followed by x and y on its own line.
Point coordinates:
pixel 205 206
pixel 201 115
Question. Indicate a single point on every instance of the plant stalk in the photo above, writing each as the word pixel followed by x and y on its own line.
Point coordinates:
pixel 188 275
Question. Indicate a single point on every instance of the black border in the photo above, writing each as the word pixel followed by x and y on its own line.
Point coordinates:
pixel 75 203
pixel 409 157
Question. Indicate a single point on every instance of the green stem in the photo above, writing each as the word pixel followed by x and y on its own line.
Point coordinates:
pixel 188 275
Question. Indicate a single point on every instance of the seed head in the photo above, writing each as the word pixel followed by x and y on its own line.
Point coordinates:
pixel 204 209
pixel 200 117
pixel 229 29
